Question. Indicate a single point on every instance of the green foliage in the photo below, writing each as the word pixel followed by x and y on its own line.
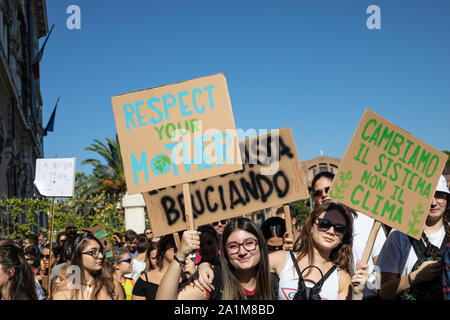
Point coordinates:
pixel 109 178
pixel 81 213
pixel 302 210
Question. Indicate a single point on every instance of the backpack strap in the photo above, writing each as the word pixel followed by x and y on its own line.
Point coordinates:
pixel 419 249
pixel 319 283
pixel 301 282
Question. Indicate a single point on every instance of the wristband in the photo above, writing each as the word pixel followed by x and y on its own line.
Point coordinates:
pixel 182 264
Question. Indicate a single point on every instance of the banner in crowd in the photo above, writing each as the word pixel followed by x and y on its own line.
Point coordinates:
pixel 55 177
pixel 389 175
pixel 176 133
pixel 272 175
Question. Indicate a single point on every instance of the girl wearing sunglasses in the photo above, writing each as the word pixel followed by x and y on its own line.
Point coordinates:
pixel 243 274
pixel 324 248
pixel 326 243
pixel 123 266
pixel 362 225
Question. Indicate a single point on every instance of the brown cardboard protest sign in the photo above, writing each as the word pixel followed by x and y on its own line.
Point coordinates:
pixel 176 133
pixel 100 233
pixel 260 184
pixel 389 175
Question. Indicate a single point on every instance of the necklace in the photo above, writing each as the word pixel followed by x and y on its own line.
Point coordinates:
pixel 89 286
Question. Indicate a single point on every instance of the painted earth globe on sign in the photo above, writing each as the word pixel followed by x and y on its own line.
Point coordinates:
pixel 160 164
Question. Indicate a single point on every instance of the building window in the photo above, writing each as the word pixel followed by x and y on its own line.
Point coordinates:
pixel 312 173
pixel 333 168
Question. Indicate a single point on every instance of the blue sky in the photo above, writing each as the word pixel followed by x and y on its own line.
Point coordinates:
pixel 312 65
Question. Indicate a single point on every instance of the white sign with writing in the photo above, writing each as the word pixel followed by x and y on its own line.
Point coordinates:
pixel 55 177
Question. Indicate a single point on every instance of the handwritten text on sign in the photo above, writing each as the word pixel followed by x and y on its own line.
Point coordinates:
pixel 55 177
pixel 389 175
pixel 176 133
pixel 235 194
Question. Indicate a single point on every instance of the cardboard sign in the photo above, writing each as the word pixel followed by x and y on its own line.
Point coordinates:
pixel 55 177
pixel 100 233
pixel 389 175
pixel 177 133
pixel 260 184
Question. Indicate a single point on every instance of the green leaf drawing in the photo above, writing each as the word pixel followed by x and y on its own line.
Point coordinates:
pixel 344 177
pixel 411 224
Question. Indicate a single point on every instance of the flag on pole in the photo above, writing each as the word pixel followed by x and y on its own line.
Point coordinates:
pixel 51 122
pixel 38 58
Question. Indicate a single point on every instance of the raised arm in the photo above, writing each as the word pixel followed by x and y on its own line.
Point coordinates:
pixel 168 288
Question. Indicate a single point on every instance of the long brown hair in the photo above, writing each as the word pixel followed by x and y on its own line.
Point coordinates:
pixel 102 278
pixel 342 255
pixel 231 288
pixel 164 244
pixel 148 262
pixel 22 285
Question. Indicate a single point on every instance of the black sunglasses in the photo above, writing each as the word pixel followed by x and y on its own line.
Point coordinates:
pixel 319 192
pixel 217 222
pixel 325 224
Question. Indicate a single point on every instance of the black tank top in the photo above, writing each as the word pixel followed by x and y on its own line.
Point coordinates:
pixel 144 288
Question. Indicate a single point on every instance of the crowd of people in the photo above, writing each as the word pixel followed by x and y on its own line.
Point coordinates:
pixel 238 259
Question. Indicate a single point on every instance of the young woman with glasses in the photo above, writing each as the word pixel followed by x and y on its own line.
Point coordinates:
pixel 244 272
pixel 411 269
pixel 324 246
pixel 95 280
pixel 362 225
pixel 122 266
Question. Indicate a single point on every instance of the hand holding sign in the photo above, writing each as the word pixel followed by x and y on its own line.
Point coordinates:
pixel 389 175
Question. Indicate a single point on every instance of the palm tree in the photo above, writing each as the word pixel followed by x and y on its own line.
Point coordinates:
pixel 110 177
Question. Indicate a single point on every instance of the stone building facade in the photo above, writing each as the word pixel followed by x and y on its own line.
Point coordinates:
pixel 320 164
pixel 22 24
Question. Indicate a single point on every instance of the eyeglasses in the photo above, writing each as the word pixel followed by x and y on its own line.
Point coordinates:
pixel 125 260
pixel 440 197
pixel 318 194
pixel 221 222
pixel 248 244
pixel 325 224
pixel 149 232
pixel 94 253
pixel 46 256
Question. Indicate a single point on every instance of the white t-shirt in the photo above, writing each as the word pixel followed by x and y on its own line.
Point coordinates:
pixel 288 284
pixel 138 267
pixel 362 225
pixel 398 256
